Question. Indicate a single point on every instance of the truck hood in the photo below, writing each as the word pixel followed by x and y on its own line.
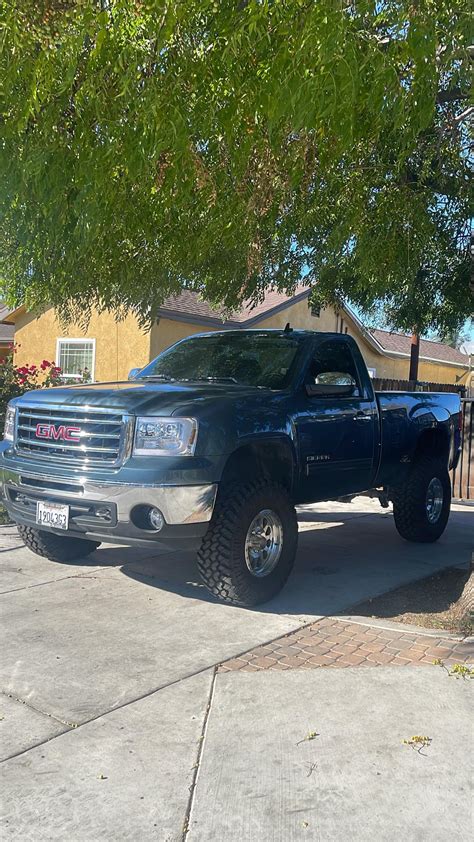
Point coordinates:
pixel 138 397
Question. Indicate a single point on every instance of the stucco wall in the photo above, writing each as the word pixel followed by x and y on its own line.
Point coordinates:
pixel 299 316
pixel 167 332
pixel 120 346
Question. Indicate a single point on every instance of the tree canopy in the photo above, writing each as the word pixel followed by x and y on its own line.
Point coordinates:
pixel 232 146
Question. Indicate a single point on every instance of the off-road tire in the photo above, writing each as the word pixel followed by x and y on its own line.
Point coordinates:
pixel 56 547
pixel 221 558
pixel 409 502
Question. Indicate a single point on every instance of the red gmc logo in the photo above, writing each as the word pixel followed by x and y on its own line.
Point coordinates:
pixel 57 433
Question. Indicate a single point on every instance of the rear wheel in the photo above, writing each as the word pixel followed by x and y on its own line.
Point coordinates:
pixel 249 549
pixel 421 506
pixel 56 547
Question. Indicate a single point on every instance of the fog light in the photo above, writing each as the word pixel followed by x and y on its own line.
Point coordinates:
pixel 156 519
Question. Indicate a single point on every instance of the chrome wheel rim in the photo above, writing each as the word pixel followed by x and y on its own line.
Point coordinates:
pixel 434 500
pixel 263 543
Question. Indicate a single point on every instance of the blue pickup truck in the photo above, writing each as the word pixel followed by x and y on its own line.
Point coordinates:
pixel 212 445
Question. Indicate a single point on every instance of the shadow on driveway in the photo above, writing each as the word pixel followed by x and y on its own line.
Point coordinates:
pixel 343 558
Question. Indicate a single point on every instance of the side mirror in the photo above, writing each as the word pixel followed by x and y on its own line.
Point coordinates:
pixel 326 390
pixel 133 373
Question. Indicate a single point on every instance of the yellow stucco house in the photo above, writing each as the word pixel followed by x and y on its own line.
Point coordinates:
pixel 109 349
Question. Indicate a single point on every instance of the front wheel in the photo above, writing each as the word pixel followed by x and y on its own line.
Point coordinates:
pixel 421 506
pixel 249 549
pixel 56 547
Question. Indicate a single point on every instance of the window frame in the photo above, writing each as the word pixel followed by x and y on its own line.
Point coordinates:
pixel 75 341
pixel 359 384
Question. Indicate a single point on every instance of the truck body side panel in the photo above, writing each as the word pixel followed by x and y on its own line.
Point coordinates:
pixel 405 418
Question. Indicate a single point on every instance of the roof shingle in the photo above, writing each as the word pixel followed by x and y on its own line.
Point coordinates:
pixel 400 343
pixel 189 303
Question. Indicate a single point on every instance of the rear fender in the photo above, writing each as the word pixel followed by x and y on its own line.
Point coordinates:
pixel 434 432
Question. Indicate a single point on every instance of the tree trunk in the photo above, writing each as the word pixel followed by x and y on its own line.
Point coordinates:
pixel 463 608
pixel 414 356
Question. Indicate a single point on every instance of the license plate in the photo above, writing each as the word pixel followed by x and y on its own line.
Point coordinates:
pixel 52 514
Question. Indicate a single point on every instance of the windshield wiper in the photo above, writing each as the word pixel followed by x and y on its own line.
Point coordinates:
pixel 209 380
pixel 161 377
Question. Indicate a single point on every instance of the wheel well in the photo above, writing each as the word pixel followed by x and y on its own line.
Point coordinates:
pixel 433 443
pixel 270 460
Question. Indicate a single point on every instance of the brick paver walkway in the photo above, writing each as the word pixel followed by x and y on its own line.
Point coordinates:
pixel 335 643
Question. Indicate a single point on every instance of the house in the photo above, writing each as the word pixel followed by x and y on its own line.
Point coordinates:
pixel 109 349
pixel 6 333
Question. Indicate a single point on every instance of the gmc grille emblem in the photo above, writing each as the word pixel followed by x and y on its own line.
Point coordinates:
pixel 58 433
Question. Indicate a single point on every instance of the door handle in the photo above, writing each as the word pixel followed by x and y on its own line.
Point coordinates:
pixel 361 416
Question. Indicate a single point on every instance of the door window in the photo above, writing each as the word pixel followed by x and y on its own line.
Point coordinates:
pixel 333 365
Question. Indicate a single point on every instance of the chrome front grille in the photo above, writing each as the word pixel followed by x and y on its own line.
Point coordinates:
pixel 82 436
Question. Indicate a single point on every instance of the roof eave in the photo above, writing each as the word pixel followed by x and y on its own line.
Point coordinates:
pixel 403 355
pixel 9 318
pixel 204 321
pixel 277 309
pixel 368 336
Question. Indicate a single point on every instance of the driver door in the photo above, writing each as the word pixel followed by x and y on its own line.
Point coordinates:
pixel 337 427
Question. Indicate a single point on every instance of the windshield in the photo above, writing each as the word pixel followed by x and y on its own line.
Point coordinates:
pixel 250 359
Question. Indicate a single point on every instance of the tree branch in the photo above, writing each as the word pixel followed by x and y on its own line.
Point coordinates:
pixel 465 114
pixel 451 95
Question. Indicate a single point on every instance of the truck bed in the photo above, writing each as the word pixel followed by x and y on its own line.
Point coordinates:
pixel 403 415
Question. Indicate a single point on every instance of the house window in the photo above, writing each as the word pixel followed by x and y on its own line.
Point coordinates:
pixel 76 358
pixel 315 311
pixel 372 372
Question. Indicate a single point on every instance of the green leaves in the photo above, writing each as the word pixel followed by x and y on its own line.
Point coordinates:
pixel 230 147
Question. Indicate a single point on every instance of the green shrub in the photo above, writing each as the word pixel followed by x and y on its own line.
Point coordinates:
pixel 16 380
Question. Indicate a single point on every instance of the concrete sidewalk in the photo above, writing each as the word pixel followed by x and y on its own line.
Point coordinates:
pixel 261 778
pixel 111 701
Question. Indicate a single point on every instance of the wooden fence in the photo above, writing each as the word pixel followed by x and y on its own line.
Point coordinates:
pixel 463 476
pixel 382 384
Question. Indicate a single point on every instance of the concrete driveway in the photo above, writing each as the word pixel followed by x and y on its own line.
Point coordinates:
pixel 108 683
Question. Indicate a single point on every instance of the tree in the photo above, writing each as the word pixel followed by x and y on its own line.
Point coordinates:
pixel 454 338
pixel 462 610
pixel 231 146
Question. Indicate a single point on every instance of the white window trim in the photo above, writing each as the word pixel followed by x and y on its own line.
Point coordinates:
pixel 76 341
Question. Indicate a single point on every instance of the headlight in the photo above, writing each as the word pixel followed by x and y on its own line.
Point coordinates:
pixel 165 436
pixel 9 430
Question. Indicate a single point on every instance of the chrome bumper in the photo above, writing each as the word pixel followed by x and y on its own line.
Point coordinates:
pixel 180 504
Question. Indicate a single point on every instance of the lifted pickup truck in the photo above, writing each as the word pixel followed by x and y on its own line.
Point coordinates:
pixel 212 445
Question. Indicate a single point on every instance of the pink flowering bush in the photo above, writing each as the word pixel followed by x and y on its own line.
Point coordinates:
pixel 16 380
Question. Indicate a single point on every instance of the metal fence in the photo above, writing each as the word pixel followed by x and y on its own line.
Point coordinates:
pixel 463 476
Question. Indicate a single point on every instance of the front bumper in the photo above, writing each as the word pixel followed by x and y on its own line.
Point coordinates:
pixel 103 511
